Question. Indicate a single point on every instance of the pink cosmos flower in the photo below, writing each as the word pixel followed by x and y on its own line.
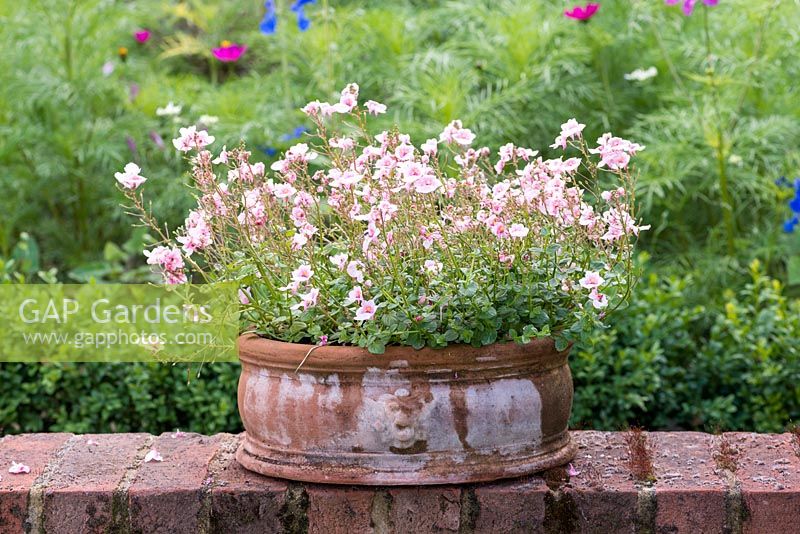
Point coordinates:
pixel 229 52
pixel 518 230
pixel 366 311
pixel 688 5
pixel 375 108
pixel 582 13
pixel 130 178
pixel 591 280
pixel 302 273
pixel 142 36
pixel 153 456
pixel 18 469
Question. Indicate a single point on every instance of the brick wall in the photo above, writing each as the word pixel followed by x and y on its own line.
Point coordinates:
pixel 731 483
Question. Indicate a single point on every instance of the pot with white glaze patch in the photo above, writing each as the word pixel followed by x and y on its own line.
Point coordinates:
pixel 431 416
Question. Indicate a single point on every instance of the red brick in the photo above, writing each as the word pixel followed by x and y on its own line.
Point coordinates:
pixel 769 475
pixel 79 495
pixel 689 493
pixel 35 451
pixel 168 496
pixel 515 506
pixel 426 509
pixel 339 510
pixel 243 502
pixel 603 491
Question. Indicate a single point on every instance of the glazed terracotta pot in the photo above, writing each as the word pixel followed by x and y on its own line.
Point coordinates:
pixel 430 416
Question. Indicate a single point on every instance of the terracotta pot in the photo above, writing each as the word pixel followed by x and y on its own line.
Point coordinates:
pixel 430 416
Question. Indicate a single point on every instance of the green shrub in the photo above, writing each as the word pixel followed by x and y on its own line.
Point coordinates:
pixel 664 363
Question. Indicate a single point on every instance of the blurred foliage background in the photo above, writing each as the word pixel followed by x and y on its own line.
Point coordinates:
pixel 710 339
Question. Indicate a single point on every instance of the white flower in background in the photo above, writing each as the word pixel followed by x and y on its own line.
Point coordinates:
pixel 209 120
pixel 640 75
pixel 170 110
pixel 735 159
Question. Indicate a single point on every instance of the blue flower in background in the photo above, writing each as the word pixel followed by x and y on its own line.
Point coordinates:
pixel 296 133
pixel 268 150
pixel 794 204
pixel 270 22
pixel 298 7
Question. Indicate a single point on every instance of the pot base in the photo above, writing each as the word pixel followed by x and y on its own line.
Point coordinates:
pixel 405 469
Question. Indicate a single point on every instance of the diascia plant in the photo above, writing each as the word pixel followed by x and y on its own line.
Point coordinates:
pixel 371 240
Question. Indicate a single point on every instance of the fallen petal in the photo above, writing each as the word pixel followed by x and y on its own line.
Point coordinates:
pixel 572 472
pixel 18 469
pixel 153 456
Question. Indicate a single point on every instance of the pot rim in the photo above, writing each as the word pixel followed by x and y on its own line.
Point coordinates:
pixel 260 351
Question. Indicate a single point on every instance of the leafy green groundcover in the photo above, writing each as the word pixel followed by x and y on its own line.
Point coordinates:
pixel 663 364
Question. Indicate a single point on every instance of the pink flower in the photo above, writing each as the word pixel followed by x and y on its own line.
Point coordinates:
pixel 169 258
pixel 339 260
pixel 591 280
pixel 153 456
pixel 456 133
pixel 599 300
pixel 569 130
pixel 244 296
pixel 308 300
pixel 284 191
pixel 18 469
pixel 582 13
pixel 433 267
pixel 191 138
pixel 572 472
pixel 366 311
pixel 375 108
pixel 354 270
pixel 688 5
pixel 198 233
pixel 170 261
pixel 142 36
pixel 518 230
pixel 302 273
pixel 430 147
pixel 427 184
pixel 356 294
pixel 130 178
pixel 229 52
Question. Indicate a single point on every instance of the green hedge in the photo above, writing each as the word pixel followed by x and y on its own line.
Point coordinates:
pixel 663 363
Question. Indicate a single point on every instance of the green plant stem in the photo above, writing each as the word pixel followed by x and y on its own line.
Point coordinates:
pixel 68 41
pixel 724 189
pixel 327 24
